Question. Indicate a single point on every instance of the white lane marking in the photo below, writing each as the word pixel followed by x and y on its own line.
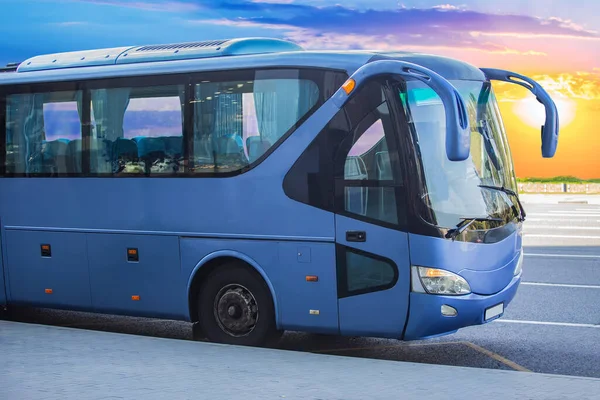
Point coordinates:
pixel 564 285
pixel 575 228
pixel 518 321
pixel 563 214
pixel 562 255
pixel 552 220
pixel 526 235
pixel 595 213
pixel 588 209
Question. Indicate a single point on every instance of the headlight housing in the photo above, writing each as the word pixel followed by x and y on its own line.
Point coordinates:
pixel 439 281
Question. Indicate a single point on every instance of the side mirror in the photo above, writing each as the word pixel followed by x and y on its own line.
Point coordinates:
pixel 458 133
pixel 551 125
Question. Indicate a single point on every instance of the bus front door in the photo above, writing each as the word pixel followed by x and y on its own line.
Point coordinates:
pixel 373 279
pixel 373 270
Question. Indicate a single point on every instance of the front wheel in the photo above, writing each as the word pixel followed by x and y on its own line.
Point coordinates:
pixel 235 307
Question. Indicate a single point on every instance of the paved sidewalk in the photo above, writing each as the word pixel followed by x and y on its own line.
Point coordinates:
pixel 46 362
pixel 551 198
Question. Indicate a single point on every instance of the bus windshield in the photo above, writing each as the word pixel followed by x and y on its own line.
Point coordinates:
pixel 452 190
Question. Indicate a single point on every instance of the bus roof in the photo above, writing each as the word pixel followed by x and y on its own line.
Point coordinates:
pixel 211 55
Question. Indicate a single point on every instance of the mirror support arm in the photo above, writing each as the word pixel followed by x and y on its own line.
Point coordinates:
pixel 458 133
pixel 551 125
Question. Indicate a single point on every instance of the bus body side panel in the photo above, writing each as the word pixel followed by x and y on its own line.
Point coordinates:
pixel 56 276
pixel 284 265
pixel 135 274
pixel 3 271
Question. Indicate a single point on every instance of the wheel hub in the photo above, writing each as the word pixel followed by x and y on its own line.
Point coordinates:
pixel 236 310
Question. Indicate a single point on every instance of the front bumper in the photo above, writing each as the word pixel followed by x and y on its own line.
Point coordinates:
pixel 426 320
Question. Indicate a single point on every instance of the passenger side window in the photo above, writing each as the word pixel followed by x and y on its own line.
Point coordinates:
pixel 237 122
pixel 368 186
pixel 170 125
pixel 43 131
pixel 137 130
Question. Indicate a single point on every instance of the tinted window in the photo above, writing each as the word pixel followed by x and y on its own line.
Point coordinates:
pixel 43 133
pixel 360 273
pixel 137 130
pixel 368 170
pixel 237 122
pixel 177 125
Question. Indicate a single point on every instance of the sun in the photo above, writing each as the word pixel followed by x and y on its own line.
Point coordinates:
pixel 532 112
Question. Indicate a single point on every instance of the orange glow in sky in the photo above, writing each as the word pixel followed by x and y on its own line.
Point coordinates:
pixel 577 98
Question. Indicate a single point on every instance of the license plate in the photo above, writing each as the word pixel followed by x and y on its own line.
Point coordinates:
pixel 494 311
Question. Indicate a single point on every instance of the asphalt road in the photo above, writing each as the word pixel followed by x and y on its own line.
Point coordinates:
pixel 552 325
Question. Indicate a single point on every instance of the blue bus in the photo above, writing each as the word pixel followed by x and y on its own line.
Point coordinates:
pixel 250 186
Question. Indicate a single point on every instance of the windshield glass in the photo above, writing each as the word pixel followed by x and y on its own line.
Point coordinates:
pixel 451 189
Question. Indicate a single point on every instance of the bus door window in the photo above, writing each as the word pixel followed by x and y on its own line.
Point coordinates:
pixel 368 175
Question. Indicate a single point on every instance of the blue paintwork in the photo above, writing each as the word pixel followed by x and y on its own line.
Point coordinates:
pixel 254 207
pixel 551 125
pixel 114 280
pixel 178 227
pixel 381 313
pixel 284 271
pixel 458 133
pixel 449 68
pixel 426 320
pixel 488 267
pixel 31 274
pixel 3 271
pixel 349 61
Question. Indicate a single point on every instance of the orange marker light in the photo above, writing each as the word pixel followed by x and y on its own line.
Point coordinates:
pixel 45 247
pixel 135 298
pixel 133 252
pixel 48 291
pixel 434 273
pixel 312 278
pixel 349 86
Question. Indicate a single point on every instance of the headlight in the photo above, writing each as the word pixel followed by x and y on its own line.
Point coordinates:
pixel 519 266
pixel 438 281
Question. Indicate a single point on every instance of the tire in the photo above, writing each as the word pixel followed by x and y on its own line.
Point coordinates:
pixel 236 307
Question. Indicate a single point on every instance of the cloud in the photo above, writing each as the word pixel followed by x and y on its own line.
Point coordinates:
pixel 313 39
pixel 448 7
pixel 579 85
pixel 164 6
pixel 70 23
pixel 446 19
pixel 273 1
pixel 444 26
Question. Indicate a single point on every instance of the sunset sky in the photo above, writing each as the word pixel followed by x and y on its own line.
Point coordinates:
pixel 555 42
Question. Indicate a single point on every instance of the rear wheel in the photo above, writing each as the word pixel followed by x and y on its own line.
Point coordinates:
pixel 235 307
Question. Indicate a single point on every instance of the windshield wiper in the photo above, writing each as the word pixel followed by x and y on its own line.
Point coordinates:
pixel 509 192
pixel 465 223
